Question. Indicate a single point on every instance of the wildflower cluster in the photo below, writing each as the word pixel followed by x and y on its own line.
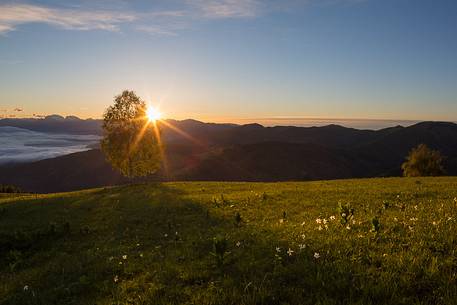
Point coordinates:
pixel 323 222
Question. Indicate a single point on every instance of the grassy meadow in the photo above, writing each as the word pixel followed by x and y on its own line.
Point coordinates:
pixel 370 241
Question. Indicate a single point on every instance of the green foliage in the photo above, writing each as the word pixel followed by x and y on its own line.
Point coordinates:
pixel 130 141
pixel 154 244
pixel 423 161
pixel 346 212
pixel 264 196
pixel 220 247
pixel 238 219
pixel 375 225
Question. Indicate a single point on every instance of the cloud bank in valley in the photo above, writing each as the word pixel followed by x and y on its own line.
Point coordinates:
pixel 22 145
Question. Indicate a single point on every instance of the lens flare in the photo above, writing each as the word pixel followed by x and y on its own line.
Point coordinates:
pixel 153 114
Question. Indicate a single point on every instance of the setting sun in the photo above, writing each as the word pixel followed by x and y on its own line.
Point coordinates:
pixel 153 114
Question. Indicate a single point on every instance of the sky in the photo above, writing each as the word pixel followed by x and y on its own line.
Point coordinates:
pixel 224 60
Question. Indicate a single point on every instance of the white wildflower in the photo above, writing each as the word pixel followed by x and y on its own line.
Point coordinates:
pixel 301 246
pixel 278 249
pixel 238 243
pixel 316 255
pixel 318 220
pixel 116 279
pixel 290 252
pixel 124 257
pixel 26 287
pixel 332 217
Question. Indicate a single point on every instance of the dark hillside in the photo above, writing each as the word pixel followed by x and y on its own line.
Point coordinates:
pixel 330 136
pixel 390 149
pixel 202 151
pixel 279 161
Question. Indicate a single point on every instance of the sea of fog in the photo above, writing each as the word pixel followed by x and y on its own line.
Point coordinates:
pixel 21 145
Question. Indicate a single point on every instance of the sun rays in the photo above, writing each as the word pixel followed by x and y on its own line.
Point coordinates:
pixel 153 114
pixel 152 125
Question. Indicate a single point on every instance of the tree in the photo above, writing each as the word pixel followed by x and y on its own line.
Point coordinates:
pixel 423 161
pixel 130 141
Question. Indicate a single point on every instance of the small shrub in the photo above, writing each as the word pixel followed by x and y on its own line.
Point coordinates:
pixel 223 200
pixel 423 161
pixel 238 219
pixel 264 196
pixel 84 230
pixel 375 225
pixel 14 259
pixel 220 247
pixel 346 212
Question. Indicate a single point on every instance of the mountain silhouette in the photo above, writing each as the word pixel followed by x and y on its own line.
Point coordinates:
pixel 232 152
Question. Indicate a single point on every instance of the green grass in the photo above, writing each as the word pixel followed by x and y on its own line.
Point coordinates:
pixel 154 244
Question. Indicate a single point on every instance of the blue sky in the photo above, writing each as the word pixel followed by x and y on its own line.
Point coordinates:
pixel 228 59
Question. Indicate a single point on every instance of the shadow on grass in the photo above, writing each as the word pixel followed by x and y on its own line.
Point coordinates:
pixel 153 244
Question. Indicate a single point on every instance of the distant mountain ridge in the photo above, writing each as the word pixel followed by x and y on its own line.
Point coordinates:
pixel 56 124
pixel 251 152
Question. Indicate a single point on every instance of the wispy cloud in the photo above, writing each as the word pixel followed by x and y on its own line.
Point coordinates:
pixel 155 22
pixel 156 30
pixel 12 15
pixel 5 28
pixel 227 8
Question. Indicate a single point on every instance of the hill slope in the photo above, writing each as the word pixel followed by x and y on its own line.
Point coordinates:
pixel 252 152
pixel 153 244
